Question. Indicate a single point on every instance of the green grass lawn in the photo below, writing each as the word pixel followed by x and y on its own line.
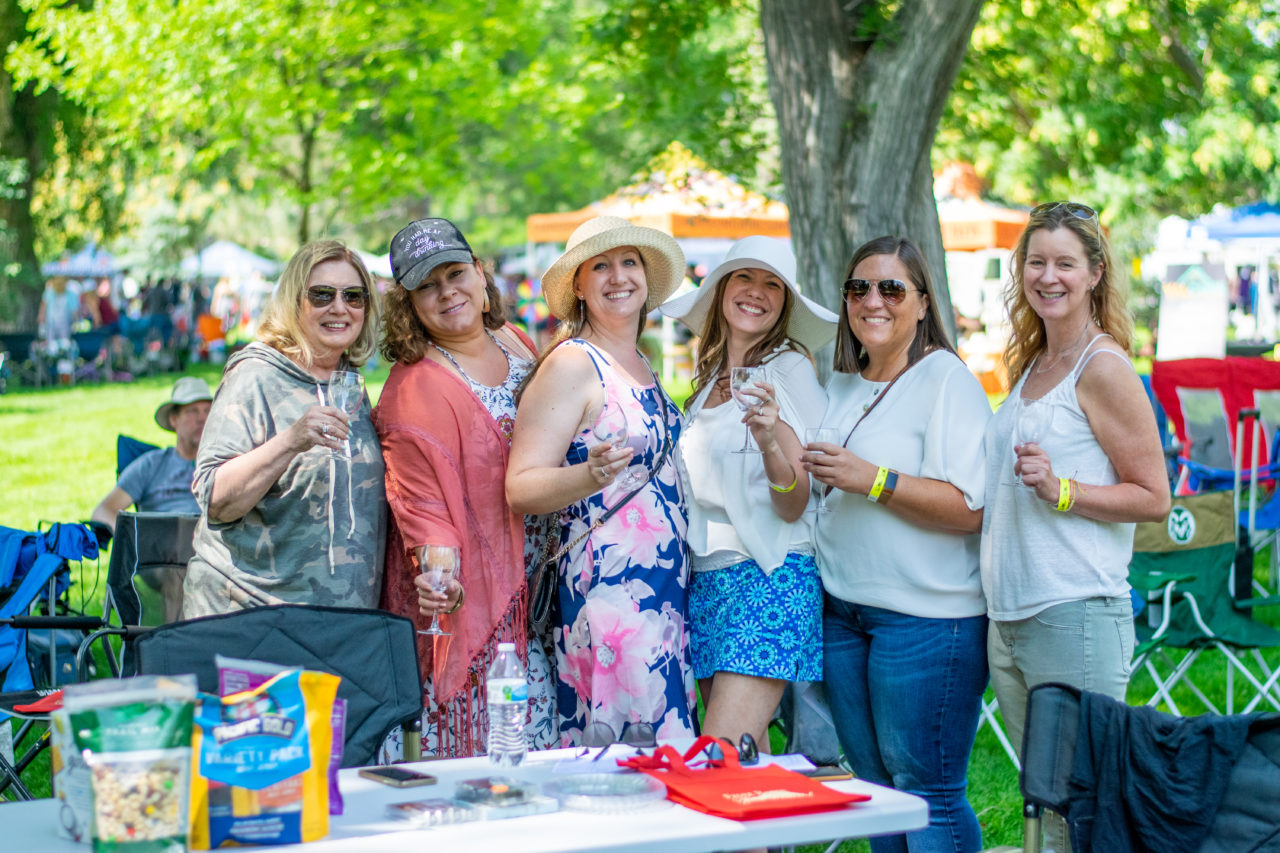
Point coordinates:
pixel 58 455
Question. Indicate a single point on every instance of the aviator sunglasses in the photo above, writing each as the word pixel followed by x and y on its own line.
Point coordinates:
pixel 1075 208
pixel 891 290
pixel 323 295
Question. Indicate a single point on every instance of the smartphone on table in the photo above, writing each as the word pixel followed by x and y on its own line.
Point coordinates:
pixel 397 777
pixel 827 773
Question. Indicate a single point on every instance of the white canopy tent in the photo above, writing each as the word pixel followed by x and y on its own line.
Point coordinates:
pixel 225 259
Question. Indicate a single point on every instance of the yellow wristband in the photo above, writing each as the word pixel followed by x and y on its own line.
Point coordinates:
pixel 1064 494
pixel 782 490
pixel 882 474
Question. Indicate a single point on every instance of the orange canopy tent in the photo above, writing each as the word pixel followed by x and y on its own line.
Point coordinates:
pixel 970 224
pixel 679 195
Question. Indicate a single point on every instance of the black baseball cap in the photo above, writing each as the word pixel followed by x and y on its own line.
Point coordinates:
pixel 422 246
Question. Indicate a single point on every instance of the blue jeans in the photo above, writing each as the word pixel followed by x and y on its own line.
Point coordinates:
pixel 906 695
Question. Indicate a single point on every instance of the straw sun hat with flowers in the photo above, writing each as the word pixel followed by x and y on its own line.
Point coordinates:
pixel 663 261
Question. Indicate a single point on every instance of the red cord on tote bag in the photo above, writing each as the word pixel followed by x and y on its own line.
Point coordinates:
pixel 725 788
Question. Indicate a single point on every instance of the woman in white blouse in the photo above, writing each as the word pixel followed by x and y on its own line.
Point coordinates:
pixel 905 623
pixel 755 599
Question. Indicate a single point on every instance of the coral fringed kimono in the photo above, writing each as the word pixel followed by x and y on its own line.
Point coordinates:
pixel 446 463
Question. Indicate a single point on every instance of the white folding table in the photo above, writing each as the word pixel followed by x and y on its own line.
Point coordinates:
pixel 365 826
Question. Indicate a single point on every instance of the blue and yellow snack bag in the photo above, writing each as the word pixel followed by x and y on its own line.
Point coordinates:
pixel 259 760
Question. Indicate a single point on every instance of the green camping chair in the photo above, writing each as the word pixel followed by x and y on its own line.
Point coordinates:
pixel 1183 566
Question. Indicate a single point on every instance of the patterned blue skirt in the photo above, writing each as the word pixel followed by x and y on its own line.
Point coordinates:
pixel 747 622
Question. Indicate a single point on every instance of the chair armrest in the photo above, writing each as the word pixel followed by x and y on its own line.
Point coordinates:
pixel 1152 581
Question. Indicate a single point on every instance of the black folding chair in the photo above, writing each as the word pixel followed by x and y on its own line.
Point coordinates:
pixel 1056 746
pixel 374 652
pixel 149 556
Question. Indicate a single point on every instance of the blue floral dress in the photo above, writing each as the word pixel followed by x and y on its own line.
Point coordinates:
pixel 622 650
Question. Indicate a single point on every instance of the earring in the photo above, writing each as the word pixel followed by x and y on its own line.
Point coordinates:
pixel 485 310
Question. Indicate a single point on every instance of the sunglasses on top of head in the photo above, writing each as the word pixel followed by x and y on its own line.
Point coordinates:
pixel 891 290
pixel 323 295
pixel 1075 208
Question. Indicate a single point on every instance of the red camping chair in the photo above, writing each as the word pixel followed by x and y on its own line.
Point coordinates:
pixel 1226 413
pixel 1204 399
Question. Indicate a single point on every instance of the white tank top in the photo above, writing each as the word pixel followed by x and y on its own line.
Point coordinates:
pixel 1033 556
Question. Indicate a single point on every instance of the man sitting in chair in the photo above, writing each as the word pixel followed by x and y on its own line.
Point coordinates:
pixel 160 480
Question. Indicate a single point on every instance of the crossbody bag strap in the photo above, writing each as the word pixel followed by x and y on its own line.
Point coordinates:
pixel 607 514
pixel 875 403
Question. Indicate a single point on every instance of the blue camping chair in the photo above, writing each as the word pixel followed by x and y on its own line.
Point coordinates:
pixel 33 567
pixel 128 449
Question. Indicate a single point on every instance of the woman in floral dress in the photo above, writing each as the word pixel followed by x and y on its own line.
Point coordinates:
pixel 622 654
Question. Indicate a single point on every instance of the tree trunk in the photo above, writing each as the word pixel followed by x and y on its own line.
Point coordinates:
pixel 858 98
pixel 20 162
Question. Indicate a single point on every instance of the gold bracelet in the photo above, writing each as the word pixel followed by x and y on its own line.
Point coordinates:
pixel 462 597
pixel 782 490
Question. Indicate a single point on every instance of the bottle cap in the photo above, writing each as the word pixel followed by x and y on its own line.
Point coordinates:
pixel 506 647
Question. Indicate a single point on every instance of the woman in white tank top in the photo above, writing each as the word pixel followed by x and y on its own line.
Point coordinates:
pixel 1073 461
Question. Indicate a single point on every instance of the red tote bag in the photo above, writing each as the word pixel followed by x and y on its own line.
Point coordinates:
pixel 725 788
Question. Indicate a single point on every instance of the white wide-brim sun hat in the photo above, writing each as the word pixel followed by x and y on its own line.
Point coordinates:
pixel 663 261
pixel 810 323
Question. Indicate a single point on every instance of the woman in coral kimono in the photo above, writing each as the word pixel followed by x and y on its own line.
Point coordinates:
pixel 445 419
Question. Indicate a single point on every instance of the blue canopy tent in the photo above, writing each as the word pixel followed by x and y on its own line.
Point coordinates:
pixel 1260 220
pixel 90 262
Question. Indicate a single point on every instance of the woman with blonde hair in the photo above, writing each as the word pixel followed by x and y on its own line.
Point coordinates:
pixel 755 597
pixel 282 519
pixel 1073 461
pixel 594 441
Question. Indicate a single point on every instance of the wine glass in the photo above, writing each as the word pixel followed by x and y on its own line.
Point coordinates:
pixel 740 379
pixel 345 392
pixel 611 428
pixel 1034 419
pixel 439 563
pixel 829 436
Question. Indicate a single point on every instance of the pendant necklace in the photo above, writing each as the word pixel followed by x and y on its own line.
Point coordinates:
pixel 1053 362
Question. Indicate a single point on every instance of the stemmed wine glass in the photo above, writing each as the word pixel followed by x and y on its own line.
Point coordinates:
pixel 345 392
pixel 439 563
pixel 740 379
pixel 829 436
pixel 611 428
pixel 1034 419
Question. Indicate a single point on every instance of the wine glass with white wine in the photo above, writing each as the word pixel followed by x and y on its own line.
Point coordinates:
pixel 439 564
pixel 740 379
pixel 345 392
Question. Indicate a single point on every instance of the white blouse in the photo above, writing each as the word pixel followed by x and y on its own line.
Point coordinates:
pixel 930 424
pixel 731 516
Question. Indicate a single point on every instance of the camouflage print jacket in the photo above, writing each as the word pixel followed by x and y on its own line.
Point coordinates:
pixel 317 536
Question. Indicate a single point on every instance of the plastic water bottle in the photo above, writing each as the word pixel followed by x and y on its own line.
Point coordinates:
pixel 508 690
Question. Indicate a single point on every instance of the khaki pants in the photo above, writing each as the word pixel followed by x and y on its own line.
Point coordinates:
pixel 1087 644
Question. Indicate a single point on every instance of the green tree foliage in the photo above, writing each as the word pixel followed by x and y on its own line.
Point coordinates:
pixel 1145 107
pixel 52 180
pixel 362 114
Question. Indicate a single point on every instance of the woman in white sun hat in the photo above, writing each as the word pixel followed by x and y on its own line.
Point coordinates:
pixel 621 653
pixel 755 598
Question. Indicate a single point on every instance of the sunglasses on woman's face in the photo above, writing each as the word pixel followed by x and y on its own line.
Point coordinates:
pixel 891 290
pixel 1075 208
pixel 322 295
